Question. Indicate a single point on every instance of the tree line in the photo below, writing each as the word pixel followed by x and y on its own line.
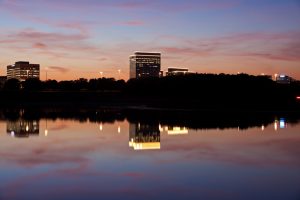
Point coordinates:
pixel 34 84
pixel 192 90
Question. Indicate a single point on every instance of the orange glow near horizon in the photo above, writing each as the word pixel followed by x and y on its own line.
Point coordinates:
pixel 118 65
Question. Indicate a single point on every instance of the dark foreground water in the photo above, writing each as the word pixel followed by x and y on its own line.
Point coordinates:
pixel 68 158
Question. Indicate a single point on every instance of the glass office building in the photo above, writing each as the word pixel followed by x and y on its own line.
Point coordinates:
pixel 23 70
pixel 144 64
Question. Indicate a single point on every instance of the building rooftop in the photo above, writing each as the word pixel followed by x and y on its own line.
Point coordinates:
pixel 147 53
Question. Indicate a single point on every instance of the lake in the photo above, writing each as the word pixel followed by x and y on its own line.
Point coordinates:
pixel 104 154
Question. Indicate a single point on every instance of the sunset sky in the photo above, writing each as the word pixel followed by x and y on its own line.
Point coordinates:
pixel 80 38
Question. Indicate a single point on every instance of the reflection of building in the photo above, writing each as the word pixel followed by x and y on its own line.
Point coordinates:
pixel 144 136
pixel 23 70
pixel 281 123
pixel 177 71
pixel 143 64
pixel 23 128
pixel 176 130
pixel 161 73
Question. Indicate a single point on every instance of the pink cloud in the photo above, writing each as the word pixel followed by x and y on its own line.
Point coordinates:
pixel 61 70
pixel 89 5
pixel 133 174
pixel 272 46
pixel 30 34
pixel 191 51
pixel 285 149
pixel 134 23
pixel 39 45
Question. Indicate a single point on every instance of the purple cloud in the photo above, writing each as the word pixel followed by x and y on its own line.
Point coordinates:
pixel 273 46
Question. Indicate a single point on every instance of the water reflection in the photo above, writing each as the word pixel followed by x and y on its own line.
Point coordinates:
pixel 186 156
pixel 177 130
pixel 144 136
pixel 281 123
pixel 23 128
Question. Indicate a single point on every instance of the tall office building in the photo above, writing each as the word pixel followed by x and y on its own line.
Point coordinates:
pixel 144 64
pixel 23 70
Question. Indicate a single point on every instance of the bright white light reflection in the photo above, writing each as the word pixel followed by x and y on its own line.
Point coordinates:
pixel 166 128
pixel 282 123
pixel 12 134
pixel 119 129
pixel 276 125
pixel 176 130
pixel 161 128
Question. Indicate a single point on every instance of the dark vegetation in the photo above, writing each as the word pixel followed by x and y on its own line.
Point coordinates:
pixel 189 119
pixel 195 91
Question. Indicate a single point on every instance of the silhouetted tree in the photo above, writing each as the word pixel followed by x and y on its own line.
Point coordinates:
pixel 81 84
pixel 12 84
pixel 50 85
pixel 32 84
pixel 66 85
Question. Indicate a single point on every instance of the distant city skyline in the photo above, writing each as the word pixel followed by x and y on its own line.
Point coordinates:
pixel 93 39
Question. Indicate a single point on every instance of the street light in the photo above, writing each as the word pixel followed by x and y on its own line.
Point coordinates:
pixel 46 73
pixel 119 72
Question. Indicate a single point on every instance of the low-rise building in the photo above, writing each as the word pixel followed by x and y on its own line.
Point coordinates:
pixel 283 79
pixel 177 71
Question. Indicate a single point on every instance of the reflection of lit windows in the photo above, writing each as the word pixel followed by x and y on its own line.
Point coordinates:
pixel 176 130
pixel 161 128
pixel 22 128
pixel 282 123
pixel 144 136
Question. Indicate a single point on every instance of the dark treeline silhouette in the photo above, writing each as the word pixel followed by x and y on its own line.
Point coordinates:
pixel 32 84
pixel 203 91
pixel 189 119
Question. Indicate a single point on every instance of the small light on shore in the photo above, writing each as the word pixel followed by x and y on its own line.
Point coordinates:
pixel 101 127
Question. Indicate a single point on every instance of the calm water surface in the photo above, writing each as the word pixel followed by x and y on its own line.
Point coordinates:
pixel 69 159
